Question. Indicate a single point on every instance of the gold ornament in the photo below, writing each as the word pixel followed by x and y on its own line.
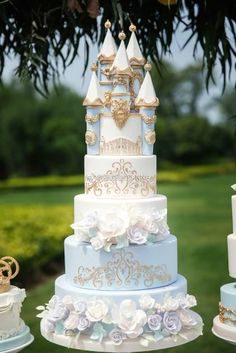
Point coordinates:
pixel 132 28
pixel 120 112
pixel 9 269
pixel 122 35
pixel 107 24
pixel 92 119
pixel 90 137
pixel 94 67
pixel 107 98
pixel 149 119
pixel 120 146
pixel 150 136
pixel 147 67
pixel 122 271
pixel 121 179
pixel 223 311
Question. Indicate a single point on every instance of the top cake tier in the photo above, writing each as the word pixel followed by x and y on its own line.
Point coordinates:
pixel 121 103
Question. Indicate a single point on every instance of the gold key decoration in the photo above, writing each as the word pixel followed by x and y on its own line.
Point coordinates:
pixel 9 269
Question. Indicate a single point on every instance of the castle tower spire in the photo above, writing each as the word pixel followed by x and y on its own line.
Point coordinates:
pixel 147 103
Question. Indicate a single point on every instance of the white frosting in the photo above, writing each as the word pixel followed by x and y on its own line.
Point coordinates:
pixel 146 92
pixel 120 177
pixel 234 213
pixel 108 48
pixel 121 61
pixel 231 242
pixel 10 308
pixel 131 131
pixel 133 49
pixel 94 91
pixel 224 331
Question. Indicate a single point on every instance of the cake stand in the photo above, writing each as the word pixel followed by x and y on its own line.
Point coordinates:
pixel 20 347
pixel 223 331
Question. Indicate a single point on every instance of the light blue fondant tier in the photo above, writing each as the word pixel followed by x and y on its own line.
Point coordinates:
pixel 132 268
pixel 63 288
pixel 228 296
pixel 16 341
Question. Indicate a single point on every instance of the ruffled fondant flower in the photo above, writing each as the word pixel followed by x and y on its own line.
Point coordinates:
pixel 80 306
pixel 187 318
pixel 171 304
pixel 191 300
pixel 137 235
pixel 117 336
pixel 146 302
pixel 83 323
pixel 83 227
pixel 154 322
pixel 96 310
pixel 172 322
pixel 53 302
pixel 72 321
pixel 130 320
pixel 113 223
pixel 48 327
pixel 68 302
pixel 97 242
pixel 60 312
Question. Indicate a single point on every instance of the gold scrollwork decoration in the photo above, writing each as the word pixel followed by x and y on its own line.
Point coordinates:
pixel 122 271
pixel 120 180
pixel 121 146
pixel 149 119
pixel 120 112
pixel 150 136
pixel 9 269
pixel 107 98
pixel 121 81
pixel 92 119
pixel 90 137
pixel 223 310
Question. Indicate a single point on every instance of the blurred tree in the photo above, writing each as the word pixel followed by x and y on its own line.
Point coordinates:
pixel 43 33
pixel 227 104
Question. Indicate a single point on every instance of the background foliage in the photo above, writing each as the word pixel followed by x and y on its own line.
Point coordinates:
pixel 42 34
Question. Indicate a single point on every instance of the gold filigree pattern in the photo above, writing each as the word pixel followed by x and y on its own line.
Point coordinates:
pixel 122 179
pixel 90 137
pixel 120 112
pixel 121 146
pixel 9 269
pixel 122 271
pixel 229 312
pixel 149 119
pixel 92 119
pixel 121 81
pixel 150 136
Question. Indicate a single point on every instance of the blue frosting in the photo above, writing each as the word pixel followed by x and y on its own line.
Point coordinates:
pixel 16 341
pixel 133 268
pixel 95 127
pixel 228 295
pixel 147 148
pixel 63 288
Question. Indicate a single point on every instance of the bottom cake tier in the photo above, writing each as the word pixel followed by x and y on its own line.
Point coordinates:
pixel 120 321
pixel 17 342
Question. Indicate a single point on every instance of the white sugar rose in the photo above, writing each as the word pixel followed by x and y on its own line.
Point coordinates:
pixel 72 321
pixel 53 302
pixel 154 322
pixel 130 320
pixel 191 300
pixel 47 326
pixel 187 318
pixel 83 226
pixel 80 306
pixel 60 312
pixel 171 304
pixel 68 302
pixel 96 310
pixel 83 323
pixel 113 223
pixel 146 302
pixel 137 235
pixel 172 322
pixel 97 242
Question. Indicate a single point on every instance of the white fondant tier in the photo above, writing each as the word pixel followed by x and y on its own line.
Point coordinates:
pixel 10 308
pixel 120 141
pixel 133 268
pixel 129 345
pixel 63 288
pixel 233 199
pixel 231 242
pixel 85 204
pixel 120 177
pixel 228 296
pixel 17 342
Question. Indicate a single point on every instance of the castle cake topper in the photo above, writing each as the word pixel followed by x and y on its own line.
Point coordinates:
pixel 121 100
pixel 9 269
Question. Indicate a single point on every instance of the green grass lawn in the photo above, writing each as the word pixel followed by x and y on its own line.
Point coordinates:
pixel 199 214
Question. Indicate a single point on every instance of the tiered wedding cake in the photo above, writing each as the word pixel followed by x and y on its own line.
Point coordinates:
pixel 121 290
pixel 13 331
pixel 224 324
